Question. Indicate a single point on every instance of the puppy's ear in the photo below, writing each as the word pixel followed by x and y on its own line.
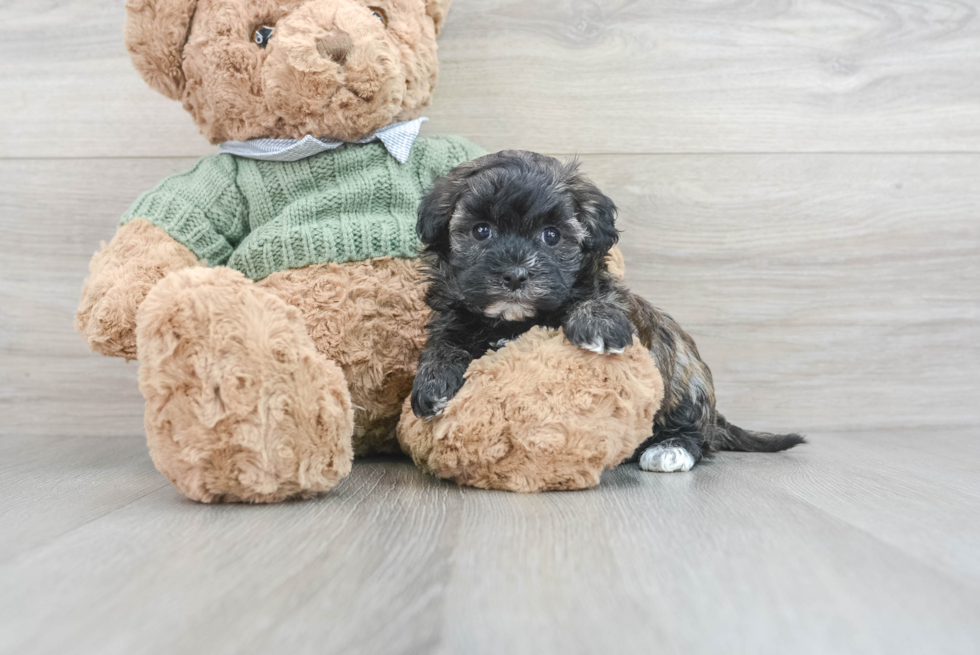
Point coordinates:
pixel 437 207
pixel 594 209
pixel 156 31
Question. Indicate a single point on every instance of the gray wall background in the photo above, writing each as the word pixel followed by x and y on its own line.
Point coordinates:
pixel 798 184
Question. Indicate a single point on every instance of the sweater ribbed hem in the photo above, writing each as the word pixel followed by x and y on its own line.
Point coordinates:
pixel 326 240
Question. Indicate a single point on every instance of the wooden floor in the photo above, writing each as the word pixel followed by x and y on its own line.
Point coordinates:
pixel 799 187
pixel 858 543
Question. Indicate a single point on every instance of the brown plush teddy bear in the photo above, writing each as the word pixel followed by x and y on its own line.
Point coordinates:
pixel 272 293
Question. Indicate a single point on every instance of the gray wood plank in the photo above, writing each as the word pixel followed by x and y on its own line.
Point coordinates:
pixel 586 77
pixel 738 556
pixel 824 291
pixel 375 541
pixel 719 561
pixel 53 216
pixel 916 490
pixel 50 487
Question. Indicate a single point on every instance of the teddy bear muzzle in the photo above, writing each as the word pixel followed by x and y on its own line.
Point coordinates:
pixel 335 46
pixel 334 60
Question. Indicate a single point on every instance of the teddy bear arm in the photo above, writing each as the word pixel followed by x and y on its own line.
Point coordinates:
pixel 121 274
pixel 202 208
pixel 539 414
pixel 192 218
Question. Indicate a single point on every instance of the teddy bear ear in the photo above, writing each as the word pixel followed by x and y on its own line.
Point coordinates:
pixel 437 10
pixel 156 31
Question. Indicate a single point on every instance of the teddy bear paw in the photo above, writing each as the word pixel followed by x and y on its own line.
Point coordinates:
pixel 240 406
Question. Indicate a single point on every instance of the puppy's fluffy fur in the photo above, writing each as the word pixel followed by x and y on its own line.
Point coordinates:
pixel 517 239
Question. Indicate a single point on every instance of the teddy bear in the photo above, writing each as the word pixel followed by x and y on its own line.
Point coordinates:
pixel 273 294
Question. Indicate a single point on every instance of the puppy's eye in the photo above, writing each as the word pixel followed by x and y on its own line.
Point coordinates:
pixel 482 232
pixel 550 236
pixel 261 35
pixel 380 14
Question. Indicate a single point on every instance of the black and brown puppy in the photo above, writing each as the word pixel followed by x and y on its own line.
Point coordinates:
pixel 516 239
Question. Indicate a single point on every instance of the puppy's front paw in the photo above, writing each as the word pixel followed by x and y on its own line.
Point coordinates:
pixel 431 393
pixel 604 332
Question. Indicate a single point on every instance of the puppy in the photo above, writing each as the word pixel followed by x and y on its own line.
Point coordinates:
pixel 516 239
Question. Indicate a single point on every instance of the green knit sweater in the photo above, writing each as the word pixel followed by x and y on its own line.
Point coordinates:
pixel 259 217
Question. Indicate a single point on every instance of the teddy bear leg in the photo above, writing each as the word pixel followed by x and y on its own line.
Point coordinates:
pixel 240 406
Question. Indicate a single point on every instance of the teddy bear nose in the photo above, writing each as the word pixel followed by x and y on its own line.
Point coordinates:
pixel 335 46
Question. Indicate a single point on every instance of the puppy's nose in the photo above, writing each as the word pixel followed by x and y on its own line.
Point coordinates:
pixel 515 278
pixel 335 46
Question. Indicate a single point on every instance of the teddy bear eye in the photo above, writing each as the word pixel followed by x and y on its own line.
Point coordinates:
pixel 482 232
pixel 550 236
pixel 380 14
pixel 261 35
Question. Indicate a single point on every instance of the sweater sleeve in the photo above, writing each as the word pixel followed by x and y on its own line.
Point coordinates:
pixel 203 209
pixel 462 150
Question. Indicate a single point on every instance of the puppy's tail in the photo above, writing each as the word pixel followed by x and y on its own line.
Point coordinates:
pixel 732 437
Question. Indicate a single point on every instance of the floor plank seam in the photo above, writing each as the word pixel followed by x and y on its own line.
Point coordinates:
pixel 52 542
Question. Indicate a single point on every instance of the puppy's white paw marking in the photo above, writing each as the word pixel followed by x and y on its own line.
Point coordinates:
pixel 597 346
pixel 439 405
pixel 666 459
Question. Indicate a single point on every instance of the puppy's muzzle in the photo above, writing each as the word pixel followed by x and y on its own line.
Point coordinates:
pixel 515 278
